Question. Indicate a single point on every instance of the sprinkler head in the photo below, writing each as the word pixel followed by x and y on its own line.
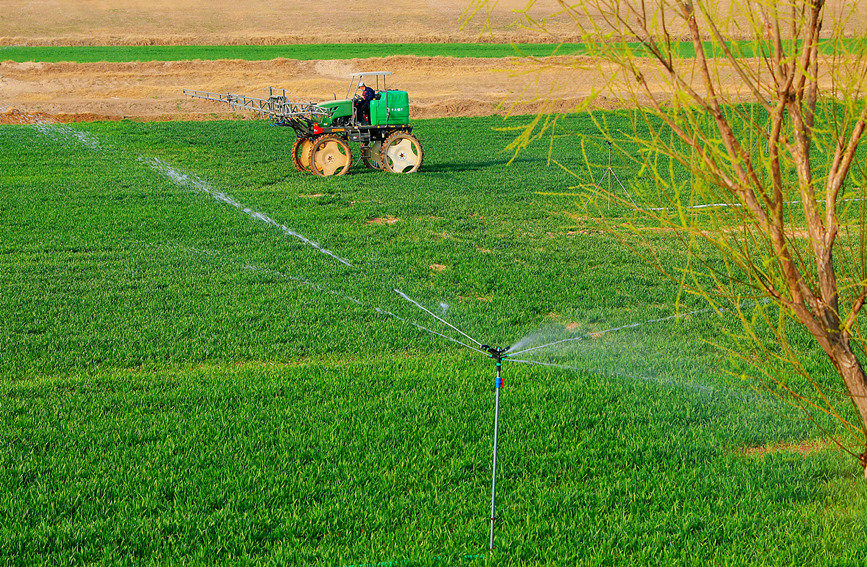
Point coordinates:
pixel 496 353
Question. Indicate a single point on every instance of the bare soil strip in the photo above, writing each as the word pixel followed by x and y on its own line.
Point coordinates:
pixel 438 86
pixel 227 22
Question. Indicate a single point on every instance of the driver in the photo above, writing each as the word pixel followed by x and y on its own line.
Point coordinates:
pixel 363 96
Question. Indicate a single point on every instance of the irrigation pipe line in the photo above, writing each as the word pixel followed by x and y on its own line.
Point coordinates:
pixel 498 355
pixel 726 205
pixel 180 179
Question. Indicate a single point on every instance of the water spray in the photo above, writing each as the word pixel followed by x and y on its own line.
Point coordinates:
pixel 498 354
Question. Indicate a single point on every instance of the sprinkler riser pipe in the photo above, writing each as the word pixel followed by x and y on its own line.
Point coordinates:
pixel 499 385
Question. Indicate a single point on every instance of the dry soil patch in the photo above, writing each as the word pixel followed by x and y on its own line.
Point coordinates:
pixel 226 22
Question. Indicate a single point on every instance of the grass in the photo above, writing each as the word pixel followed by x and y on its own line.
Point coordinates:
pixel 122 54
pixel 184 383
pixel 91 54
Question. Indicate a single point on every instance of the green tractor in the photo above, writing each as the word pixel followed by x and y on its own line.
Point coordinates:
pixel 323 131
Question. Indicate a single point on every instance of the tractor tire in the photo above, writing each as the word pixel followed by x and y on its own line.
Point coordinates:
pixel 401 153
pixel 330 155
pixel 301 153
pixel 371 155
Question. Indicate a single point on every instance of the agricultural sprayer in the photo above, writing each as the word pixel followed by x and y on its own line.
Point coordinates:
pixel 378 122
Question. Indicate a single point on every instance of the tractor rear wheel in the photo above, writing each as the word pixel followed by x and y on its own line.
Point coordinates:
pixel 330 155
pixel 301 153
pixel 402 153
pixel 371 155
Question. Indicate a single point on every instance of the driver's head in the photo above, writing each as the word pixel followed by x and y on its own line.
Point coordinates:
pixel 360 85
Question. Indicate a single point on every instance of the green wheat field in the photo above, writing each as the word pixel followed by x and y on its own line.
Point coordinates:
pixel 204 361
pixel 313 51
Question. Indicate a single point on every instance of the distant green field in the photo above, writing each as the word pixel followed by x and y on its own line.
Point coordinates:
pixel 120 54
pixel 90 54
pixel 185 380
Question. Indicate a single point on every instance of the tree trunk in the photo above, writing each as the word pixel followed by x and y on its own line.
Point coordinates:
pixel 838 349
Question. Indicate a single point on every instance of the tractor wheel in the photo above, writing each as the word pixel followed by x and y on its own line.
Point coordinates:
pixel 371 155
pixel 402 153
pixel 330 155
pixel 301 153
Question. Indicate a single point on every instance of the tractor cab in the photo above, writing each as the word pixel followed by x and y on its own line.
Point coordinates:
pixel 377 110
pixel 373 79
pixel 386 108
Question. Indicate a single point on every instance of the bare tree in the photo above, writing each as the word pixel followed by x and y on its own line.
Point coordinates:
pixel 766 114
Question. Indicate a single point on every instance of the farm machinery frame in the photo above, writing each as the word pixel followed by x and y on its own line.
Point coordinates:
pixel 378 122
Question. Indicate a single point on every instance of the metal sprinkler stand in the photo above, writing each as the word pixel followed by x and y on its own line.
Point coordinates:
pixel 609 173
pixel 498 354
